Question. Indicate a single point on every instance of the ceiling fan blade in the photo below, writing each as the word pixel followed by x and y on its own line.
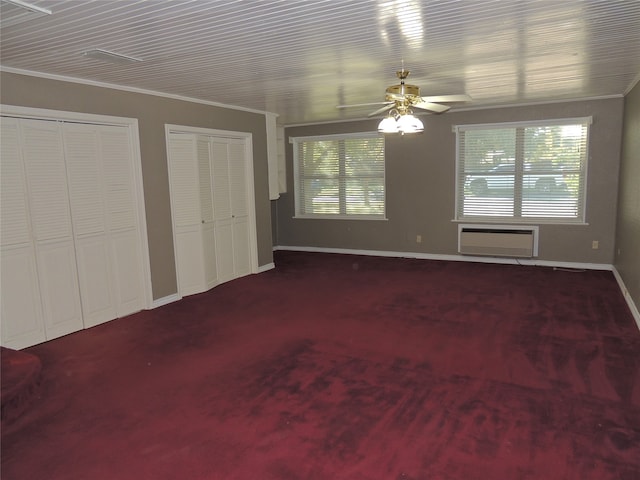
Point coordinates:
pixel 432 107
pixel 447 98
pixel 361 104
pixel 383 109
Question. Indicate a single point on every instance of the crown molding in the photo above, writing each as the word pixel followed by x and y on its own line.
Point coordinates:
pixel 94 83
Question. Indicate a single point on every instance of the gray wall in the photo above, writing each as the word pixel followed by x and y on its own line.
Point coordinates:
pixel 420 178
pixel 153 112
pixel 627 260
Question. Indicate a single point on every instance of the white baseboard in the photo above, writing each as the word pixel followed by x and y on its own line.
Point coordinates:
pixel 266 267
pixel 165 300
pixel 627 297
pixel 469 258
pixel 176 296
pixel 454 258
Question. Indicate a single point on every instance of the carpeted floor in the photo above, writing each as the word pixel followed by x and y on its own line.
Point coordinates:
pixel 20 376
pixel 348 367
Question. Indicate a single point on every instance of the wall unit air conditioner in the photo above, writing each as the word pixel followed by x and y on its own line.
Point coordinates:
pixel 498 240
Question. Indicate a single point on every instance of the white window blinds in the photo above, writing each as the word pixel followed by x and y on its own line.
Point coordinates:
pixel 522 171
pixel 340 176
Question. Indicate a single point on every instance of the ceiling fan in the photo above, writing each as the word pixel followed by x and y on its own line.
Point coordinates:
pixel 403 97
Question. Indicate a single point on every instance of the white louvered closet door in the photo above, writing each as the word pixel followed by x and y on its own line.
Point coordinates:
pixel 71 252
pixel 44 161
pixel 222 209
pixel 101 189
pixel 206 211
pixel 239 207
pixel 89 221
pixel 123 225
pixel 184 176
pixel 21 309
pixel 209 201
pixel 231 208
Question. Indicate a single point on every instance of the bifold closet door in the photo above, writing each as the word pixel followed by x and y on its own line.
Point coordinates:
pixel 104 221
pixel 21 309
pixel 230 208
pixel 210 209
pixel 206 213
pixel 46 174
pixel 89 222
pixel 239 208
pixel 192 211
pixel 123 224
pixel 71 254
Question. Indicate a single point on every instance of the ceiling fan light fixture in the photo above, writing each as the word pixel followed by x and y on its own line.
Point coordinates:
pixel 408 123
pixel 401 123
pixel 388 125
pixel 403 98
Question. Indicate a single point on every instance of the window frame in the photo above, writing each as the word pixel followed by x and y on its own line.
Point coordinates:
pixel 298 212
pixel 519 165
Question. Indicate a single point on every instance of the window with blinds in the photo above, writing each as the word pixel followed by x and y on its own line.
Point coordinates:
pixel 522 171
pixel 340 176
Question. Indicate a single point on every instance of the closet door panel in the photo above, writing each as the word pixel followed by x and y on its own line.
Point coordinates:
pixel 96 292
pixel 59 288
pixel 222 209
pixel 231 208
pixel 46 174
pixel 184 179
pixel 241 253
pixel 224 250
pixel 220 172
pixel 204 180
pixel 14 209
pixel 238 180
pixel 117 167
pixel 88 214
pixel 22 319
pixel 189 259
pixel 128 284
pixel 20 307
pixel 122 221
pixel 240 208
pixel 209 254
pixel 85 178
pixel 206 210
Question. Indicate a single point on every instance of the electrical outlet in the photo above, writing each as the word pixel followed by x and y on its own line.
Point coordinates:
pixel 418 238
pixel 595 244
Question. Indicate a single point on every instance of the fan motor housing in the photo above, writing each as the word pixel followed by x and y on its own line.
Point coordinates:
pixel 403 89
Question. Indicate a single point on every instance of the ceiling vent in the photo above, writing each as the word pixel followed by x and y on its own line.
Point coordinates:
pixel 110 57
pixel 14 12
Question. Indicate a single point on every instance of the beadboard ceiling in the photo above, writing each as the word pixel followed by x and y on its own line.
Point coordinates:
pixel 301 58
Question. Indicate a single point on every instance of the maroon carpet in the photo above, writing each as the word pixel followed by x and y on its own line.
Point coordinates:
pixel 20 374
pixel 348 367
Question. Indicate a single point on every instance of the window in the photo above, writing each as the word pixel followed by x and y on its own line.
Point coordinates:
pixel 522 171
pixel 339 176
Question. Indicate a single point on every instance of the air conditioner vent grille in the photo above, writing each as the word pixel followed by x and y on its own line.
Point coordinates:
pixel 498 241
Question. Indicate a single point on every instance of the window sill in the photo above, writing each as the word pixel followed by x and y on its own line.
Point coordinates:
pixel 524 221
pixel 339 217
